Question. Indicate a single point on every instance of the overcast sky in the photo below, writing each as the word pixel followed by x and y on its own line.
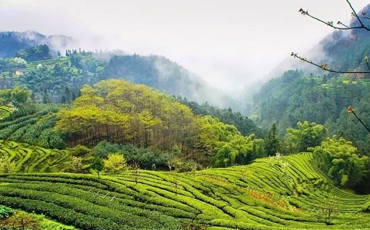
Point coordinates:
pixel 226 42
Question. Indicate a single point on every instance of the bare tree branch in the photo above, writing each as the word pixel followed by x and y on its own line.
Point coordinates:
pixel 343 26
pixel 356 15
pixel 350 110
pixel 326 66
pixel 339 26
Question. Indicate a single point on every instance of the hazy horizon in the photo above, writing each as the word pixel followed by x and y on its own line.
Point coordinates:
pixel 227 43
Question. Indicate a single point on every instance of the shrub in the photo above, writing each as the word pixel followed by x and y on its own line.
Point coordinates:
pixel 183 166
pixel 76 164
pixel 5 212
pixel 115 163
pixel 22 220
pixel 80 151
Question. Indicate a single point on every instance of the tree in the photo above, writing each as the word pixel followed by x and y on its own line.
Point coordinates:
pixel 41 52
pixel 307 135
pixel 326 210
pixel 340 161
pixel 97 164
pixel 45 97
pixel 360 22
pixel 135 171
pixel 272 143
pixel 20 95
pixel 63 100
pixel 115 163
pixel 67 95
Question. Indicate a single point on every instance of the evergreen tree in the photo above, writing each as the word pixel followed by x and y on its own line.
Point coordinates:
pixel 67 95
pixel 272 143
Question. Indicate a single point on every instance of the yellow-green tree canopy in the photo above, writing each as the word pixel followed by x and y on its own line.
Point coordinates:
pixel 118 111
pixel 121 112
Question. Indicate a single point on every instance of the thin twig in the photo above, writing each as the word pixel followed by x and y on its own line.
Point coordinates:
pixel 343 27
pixel 353 112
pixel 356 15
pixel 326 67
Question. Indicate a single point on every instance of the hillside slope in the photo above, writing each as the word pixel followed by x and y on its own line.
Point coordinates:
pixel 11 42
pixel 263 195
pixel 297 96
pixel 49 78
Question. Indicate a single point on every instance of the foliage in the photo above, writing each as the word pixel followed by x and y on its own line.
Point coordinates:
pixel 135 171
pixel 97 164
pixel 180 165
pixel 327 210
pixel 121 112
pixel 22 221
pixel 340 161
pixel 272 145
pixel 80 151
pixel 5 212
pixel 237 197
pixel 224 144
pixel 76 164
pixel 115 163
pixel 11 42
pixel 144 156
pixel 245 125
pixel 17 95
pixel 6 166
pixel 307 135
pixel 322 100
pixel 41 52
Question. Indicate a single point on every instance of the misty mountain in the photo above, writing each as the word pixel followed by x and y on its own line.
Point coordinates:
pixel 49 81
pixel 160 73
pixel 11 42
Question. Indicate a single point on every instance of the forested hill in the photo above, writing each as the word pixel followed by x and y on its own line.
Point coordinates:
pixel 52 72
pixel 11 42
pixel 245 125
pixel 160 73
pixel 322 99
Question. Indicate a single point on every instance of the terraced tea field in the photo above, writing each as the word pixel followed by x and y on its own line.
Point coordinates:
pixel 34 128
pixel 4 111
pixel 269 194
pixel 30 159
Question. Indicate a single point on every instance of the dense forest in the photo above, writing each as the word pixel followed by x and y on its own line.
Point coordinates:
pixel 297 96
